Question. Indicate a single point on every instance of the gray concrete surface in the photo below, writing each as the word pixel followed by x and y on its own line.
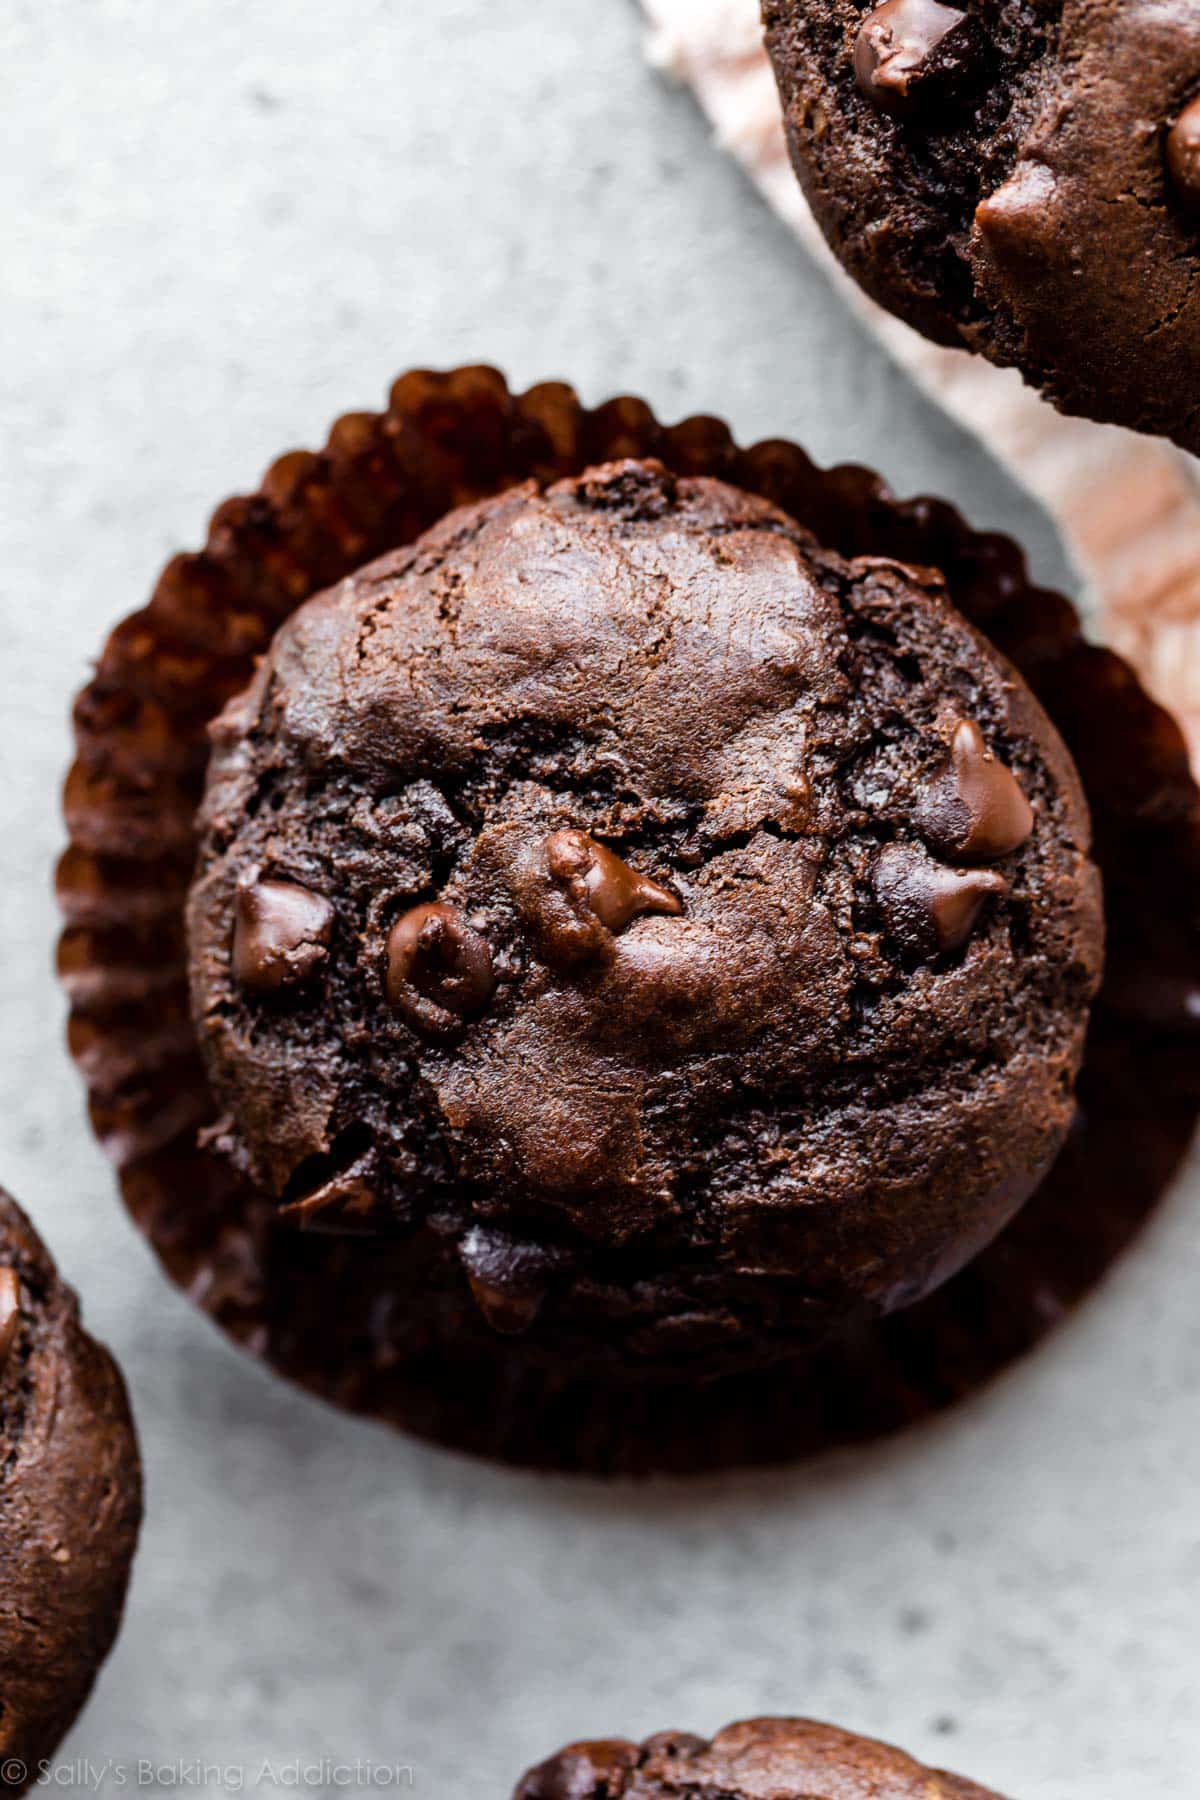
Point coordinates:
pixel 224 222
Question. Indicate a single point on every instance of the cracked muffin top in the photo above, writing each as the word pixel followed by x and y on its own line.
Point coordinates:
pixel 1019 177
pixel 761 1759
pixel 617 883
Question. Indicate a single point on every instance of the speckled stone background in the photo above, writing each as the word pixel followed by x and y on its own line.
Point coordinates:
pixel 224 222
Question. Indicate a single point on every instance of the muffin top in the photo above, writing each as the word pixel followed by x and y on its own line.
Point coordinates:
pixel 70 1499
pixel 1020 179
pixel 761 1759
pixel 617 878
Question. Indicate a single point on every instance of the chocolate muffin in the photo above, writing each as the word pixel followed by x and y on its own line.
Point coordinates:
pixel 1019 177
pixel 762 1759
pixel 70 1503
pixel 680 935
pixel 388 1322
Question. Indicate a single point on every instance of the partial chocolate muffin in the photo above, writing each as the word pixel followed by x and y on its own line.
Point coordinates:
pixel 761 1759
pixel 1019 177
pixel 678 934
pixel 70 1503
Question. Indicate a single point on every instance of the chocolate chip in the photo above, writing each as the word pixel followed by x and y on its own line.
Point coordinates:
pixel 974 809
pixel 929 909
pixel 1183 155
pixel 347 1204
pixel 10 1312
pixel 281 934
pixel 439 970
pixel 905 48
pixel 599 882
pixel 508 1280
pixel 1013 222
pixel 674 1743
pixel 594 1771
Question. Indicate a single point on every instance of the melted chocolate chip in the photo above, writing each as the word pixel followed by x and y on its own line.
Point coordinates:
pixel 599 882
pixel 439 970
pixel 1183 155
pixel 346 1204
pixel 1012 223
pixel 906 47
pixel 10 1312
pixel 508 1280
pixel 974 809
pixel 928 908
pixel 281 934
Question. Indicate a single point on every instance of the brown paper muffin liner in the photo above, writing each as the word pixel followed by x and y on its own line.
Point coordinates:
pixel 325 1312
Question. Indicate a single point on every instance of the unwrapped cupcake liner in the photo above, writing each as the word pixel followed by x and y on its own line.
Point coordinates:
pixel 331 1313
